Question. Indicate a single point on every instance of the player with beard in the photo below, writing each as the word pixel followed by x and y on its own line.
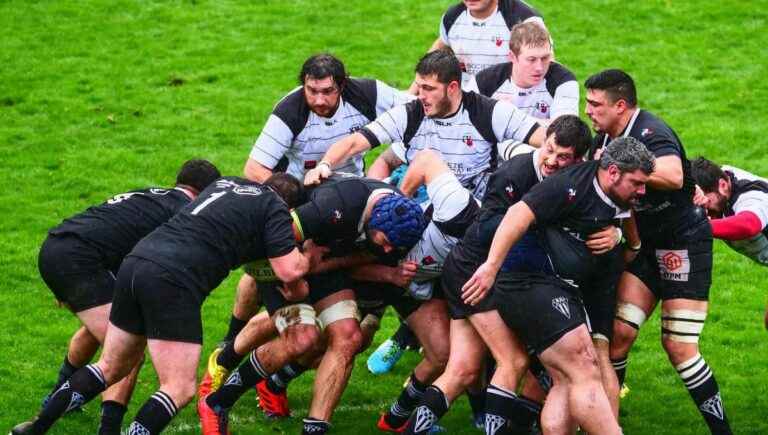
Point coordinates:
pixel 737 202
pixel 546 309
pixel 674 262
pixel 472 328
pixel 338 213
pixel 327 105
pixel 163 282
pixel 80 257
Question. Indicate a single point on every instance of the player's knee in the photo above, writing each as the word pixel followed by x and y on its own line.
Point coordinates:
pixel 678 351
pixel 549 424
pixel 181 391
pixel 464 373
pixel 302 339
pixel 624 336
pixel 345 337
pixel 681 329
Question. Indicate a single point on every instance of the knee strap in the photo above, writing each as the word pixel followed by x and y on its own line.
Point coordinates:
pixel 683 326
pixel 297 314
pixel 630 314
pixel 339 311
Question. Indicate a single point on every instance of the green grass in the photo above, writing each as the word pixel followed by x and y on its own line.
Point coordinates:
pixel 99 97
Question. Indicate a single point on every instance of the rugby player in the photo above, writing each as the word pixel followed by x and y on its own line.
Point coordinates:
pixel 674 262
pixel 326 106
pixel 163 282
pixel 473 328
pixel 547 309
pixel 737 202
pixel 338 213
pixel 80 257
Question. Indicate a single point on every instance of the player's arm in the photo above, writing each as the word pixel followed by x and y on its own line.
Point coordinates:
pixel 509 122
pixel 273 141
pixel 566 100
pixel 290 268
pixel 255 171
pixel 339 152
pixel 345 262
pixel 743 225
pixel 667 174
pixel 426 166
pixel 400 275
pixel 384 164
pixel 515 223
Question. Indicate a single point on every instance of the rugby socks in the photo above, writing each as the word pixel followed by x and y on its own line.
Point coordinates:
pixel 82 386
pixel 476 402
pixel 111 417
pixel 314 426
pixel 620 366
pixel 278 382
pixel 154 416
pixel 524 414
pixel 404 337
pixel 65 372
pixel 410 396
pixel 701 384
pixel 235 326
pixel 239 381
pixel 541 374
pixel 432 407
pixel 228 357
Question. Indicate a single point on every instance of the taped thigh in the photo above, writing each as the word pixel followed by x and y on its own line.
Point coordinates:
pixel 339 311
pixel 296 314
pixel 683 326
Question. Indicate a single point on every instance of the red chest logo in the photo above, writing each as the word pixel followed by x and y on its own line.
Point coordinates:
pixel 467 139
pixel 498 40
pixel 427 260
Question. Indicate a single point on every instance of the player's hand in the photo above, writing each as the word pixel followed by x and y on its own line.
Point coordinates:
pixel 598 153
pixel 317 175
pixel 403 274
pixel 479 284
pixel 295 291
pixel 699 198
pixel 604 240
pixel 629 255
pixel 314 255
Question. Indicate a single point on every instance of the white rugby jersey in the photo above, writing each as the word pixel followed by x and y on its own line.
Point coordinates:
pixel 557 93
pixel 467 139
pixel 480 43
pixel 294 131
pixel 750 193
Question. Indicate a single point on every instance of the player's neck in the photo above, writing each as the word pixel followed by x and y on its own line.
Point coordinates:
pixel 518 81
pixel 190 191
pixel 623 123
pixel 485 13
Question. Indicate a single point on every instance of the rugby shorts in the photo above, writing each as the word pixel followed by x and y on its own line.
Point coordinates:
pixel 456 272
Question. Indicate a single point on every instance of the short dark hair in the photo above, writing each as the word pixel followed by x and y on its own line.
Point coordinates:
pixel 320 66
pixel 571 132
pixel 706 174
pixel 288 187
pixel 628 154
pixel 617 85
pixel 442 63
pixel 197 174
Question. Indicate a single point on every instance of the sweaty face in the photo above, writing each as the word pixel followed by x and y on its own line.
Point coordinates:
pixel 530 65
pixel 627 188
pixel 480 8
pixel 716 200
pixel 553 157
pixel 322 95
pixel 601 111
pixel 433 96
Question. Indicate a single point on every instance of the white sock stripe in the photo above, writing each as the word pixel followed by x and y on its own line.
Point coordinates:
pixel 618 365
pixel 397 410
pixel 96 371
pixel 257 366
pixel 166 401
pixel 685 365
pixel 413 392
pixel 493 389
pixel 704 377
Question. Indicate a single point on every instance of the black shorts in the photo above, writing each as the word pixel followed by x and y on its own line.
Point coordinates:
pixel 679 266
pixel 540 309
pixel 599 293
pixel 149 302
pixel 320 286
pixel 456 273
pixel 75 272
pixel 374 298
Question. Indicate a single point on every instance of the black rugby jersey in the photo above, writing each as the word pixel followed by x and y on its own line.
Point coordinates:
pixel 568 207
pixel 659 211
pixel 115 226
pixel 334 211
pixel 232 222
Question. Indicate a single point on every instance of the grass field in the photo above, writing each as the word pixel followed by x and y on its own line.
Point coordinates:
pixel 100 97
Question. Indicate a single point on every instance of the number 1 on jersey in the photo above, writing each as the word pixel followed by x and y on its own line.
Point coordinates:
pixel 204 204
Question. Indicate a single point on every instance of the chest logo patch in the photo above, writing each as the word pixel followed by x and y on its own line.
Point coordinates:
pixel 542 106
pixel 646 132
pixel 571 194
pixel 336 216
pixel 467 139
pixel 498 40
pixel 560 303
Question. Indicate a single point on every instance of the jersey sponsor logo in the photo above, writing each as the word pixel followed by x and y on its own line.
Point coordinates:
pixel 122 197
pixel 443 123
pixel 646 132
pixel 476 24
pixel 456 167
pixel 560 303
pixel 714 406
pixel 248 190
pixel 467 139
pixel 542 106
pixel 310 164
pixel 425 419
pixel 674 265
pixel 330 122
pixel 355 128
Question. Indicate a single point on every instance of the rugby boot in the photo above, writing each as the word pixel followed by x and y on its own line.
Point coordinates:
pixel 214 377
pixel 26 428
pixel 385 357
pixel 274 405
pixel 385 427
pixel 212 421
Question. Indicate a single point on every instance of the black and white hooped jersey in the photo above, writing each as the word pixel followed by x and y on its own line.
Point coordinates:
pixel 467 139
pixel 334 212
pixel 115 226
pixel 749 192
pixel 557 93
pixel 294 131
pixel 569 206
pixel 481 43
pixel 232 222
pixel 659 210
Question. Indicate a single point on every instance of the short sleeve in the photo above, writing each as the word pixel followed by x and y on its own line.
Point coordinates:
pixel 388 127
pixel 278 230
pixel 273 142
pixel 753 201
pixel 550 199
pixel 388 97
pixel 509 122
pixel 444 32
pixel 566 99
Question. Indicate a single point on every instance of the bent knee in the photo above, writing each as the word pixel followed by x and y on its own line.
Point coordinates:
pixel 345 337
pixel 302 339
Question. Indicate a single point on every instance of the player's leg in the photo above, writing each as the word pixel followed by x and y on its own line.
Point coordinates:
pixel 467 351
pixel 338 314
pixel 389 352
pixel 245 307
pixel 556 416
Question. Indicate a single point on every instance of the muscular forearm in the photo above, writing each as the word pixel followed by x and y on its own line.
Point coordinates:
pixel 744 225
pixel 373 273
pixel 344 149
pixel 667 174
pixel 346 262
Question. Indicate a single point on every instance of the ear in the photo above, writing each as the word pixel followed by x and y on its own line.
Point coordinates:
pixel 724 187
pixel 454 87
pixel 614 172
pixel 511 56
pixel 621 105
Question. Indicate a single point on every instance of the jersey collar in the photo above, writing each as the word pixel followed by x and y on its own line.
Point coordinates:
pixel 628 128
pixel 536 167
pixel 619 212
